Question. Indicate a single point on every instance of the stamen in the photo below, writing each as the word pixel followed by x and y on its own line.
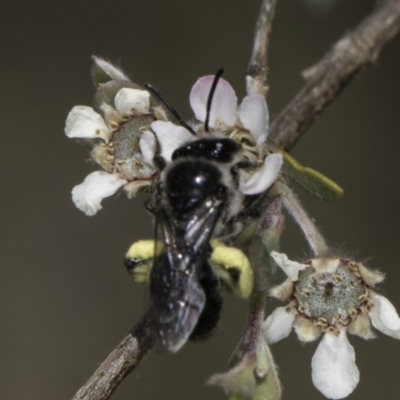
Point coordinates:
pixel 337 278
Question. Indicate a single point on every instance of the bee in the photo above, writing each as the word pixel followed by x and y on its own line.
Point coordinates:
pixel 197 199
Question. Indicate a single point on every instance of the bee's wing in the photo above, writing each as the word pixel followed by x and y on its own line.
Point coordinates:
pixel 177 296
pixel 200 227
pixel 177 300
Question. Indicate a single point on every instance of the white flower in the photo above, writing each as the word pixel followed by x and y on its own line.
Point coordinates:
pixel 226 117
pixel 333 296
pixel 113 138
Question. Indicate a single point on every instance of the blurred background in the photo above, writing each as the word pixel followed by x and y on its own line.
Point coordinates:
pixel 65 298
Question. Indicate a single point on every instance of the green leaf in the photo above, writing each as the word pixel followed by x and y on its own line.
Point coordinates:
pixel 311 180
pixel 253 378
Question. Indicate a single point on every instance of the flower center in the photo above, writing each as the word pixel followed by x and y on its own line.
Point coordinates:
pixel 331 299
pixel 125 152
pixel 126 138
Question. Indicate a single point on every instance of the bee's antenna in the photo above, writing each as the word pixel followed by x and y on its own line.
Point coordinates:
pixel 210 97
pixel 170 107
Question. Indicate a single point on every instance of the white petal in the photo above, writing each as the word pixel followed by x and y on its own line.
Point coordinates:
pixel 88 195
pixel 334 371
pixel 305 329
pixel 283 291
pixel 170 137
pixel 148 146
pixel 384 316
pixel 112 71
pixel 128 99
pixel 278 325
pixel 223 106
pixel 83 122
pixel 290 268
pixel 262 179
pixel 324 265
pixel 253 114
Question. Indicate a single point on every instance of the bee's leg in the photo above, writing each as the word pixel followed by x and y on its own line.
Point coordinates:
pixel 233 267
pixel 139 260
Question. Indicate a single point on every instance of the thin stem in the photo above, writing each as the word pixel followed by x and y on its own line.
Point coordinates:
pixel 252 373
pixel 313 236
pixel 255 318
pixel 257 70
pixel 337 68
pixel 122 360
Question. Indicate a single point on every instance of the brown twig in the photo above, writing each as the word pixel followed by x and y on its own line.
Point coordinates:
pixel 123 359
pixel 257 70
pixel 336 69
pixel 255 319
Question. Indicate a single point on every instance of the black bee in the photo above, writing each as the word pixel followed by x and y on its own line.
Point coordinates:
pixel 196 198
pixel 191 205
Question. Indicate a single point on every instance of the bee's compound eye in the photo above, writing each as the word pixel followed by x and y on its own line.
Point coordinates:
pixel 221 150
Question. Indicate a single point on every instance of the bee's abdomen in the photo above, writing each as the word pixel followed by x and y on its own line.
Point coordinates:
pixel 210 316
